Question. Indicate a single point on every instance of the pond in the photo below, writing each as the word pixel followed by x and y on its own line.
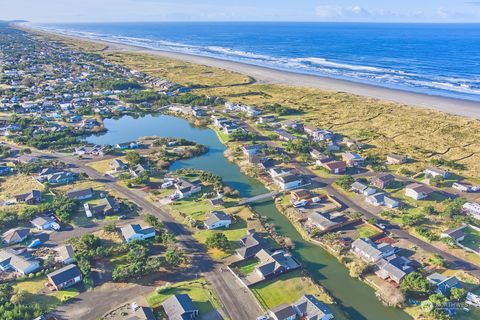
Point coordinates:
pixel 355 299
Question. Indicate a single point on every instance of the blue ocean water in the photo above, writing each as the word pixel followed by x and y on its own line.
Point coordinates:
pixel 437 59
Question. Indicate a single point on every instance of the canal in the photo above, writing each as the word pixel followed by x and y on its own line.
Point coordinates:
pixel 355 298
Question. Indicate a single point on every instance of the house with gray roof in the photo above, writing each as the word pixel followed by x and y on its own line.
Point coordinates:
pixel 16 235
pixel 394 268
pixel 133 232
pixel 138 170
pixel 186 188
pixel 370 251
pixel 66 254
pixel 310 308
pixel 326 221
pixel 369 191
pixel 141 313
pixel 289 181
pixel 104 207
pixel 22 262
pixel 65 277
pixel 283 312
pixel 80 194
pixel 358 186
pixel 218 219
pixel 381 199
pixel 32 197
pixel 251 244
pixel 117 165
pixel 353 159
pixel 45 223
pixel 443 284
pixel 272 264
pixel 457 234
pixel 180 307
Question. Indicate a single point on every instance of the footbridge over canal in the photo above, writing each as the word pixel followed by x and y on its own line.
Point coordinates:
pixel 259 197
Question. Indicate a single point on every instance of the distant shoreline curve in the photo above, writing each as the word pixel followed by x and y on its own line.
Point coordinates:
pixel 265 75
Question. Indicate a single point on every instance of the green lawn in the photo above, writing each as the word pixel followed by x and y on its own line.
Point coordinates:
pixel 367 231
pixel 472 239
pixel 287 288
pixel 224 138
pixel 198 290
pixel 247 266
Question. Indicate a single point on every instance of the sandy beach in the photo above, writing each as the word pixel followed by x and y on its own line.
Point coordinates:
pixel 459 107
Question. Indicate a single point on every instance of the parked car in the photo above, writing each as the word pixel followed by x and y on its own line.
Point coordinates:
pixel 300 204
pixel 174 197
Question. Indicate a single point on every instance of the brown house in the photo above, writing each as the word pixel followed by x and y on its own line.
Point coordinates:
pixel 301 194
pixel 335 167
pixel 383 180
pixel 65 277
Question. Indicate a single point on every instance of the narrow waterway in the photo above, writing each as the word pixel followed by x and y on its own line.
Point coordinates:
pixel 355 298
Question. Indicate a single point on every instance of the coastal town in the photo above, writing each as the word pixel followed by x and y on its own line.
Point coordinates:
pixel 136 229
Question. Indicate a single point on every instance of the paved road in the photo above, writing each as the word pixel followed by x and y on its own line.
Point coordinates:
pixel 232 298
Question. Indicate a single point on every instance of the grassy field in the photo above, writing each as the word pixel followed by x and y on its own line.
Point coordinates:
pixel 34 289
pixel 198 290
pixel 287 288
pixel 103 166
pixel 18 184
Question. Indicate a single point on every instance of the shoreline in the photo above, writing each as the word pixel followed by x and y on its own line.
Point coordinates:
pixel 265 75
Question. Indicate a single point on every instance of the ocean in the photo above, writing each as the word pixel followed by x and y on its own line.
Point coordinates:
pixel 436 59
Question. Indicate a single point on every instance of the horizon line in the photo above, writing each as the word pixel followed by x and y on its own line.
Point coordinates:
pixel 245 21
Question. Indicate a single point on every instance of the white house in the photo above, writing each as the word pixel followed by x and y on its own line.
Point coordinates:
pixel 472 209
pixel 380 199
pixel 251 150
pixel 418 191
pixel 133 232
pixel 278 172
pixel 435 172
pixel 45 223
pixel 369 191
pixel 358 186
pixel 218 219
pixel 289 181
pixel 186 188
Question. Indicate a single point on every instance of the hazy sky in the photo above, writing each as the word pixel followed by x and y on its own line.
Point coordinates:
pixel 226 10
